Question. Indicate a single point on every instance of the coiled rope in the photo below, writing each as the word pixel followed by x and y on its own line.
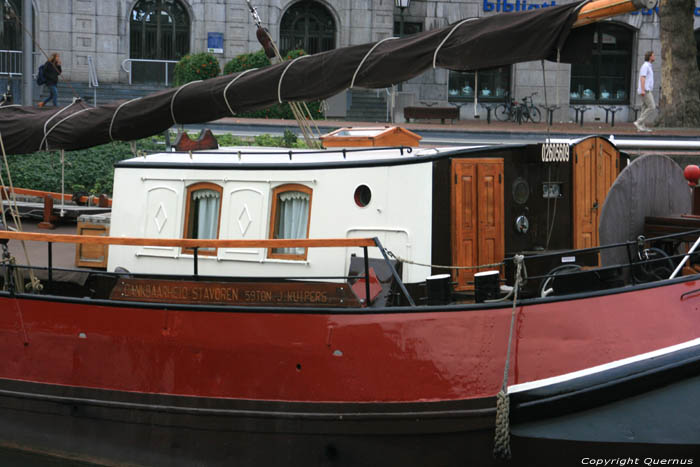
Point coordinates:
pixel 501 442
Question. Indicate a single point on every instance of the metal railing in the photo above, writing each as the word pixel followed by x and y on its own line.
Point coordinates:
pixel 126 66
pixel 11 62
pixel 92 79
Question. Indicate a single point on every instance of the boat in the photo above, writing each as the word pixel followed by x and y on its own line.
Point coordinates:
pixel 378 305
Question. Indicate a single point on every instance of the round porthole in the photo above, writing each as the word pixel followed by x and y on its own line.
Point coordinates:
pixel 363 195
pixel 521 190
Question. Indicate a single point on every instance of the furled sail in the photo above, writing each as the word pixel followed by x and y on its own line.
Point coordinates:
pixel 471 44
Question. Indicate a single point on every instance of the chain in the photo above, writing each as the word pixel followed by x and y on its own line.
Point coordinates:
pixel 439 266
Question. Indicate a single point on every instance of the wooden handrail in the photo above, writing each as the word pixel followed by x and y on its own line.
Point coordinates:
pixel 601 9
pixel 57 196
pixel 187 242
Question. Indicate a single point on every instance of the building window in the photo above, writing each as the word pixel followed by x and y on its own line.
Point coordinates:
pixel 291 205
pixel 607 78
pixel 493 85
pixel 406 28
pixel 160 30
pixel 202 214
pixel 697 43
pixel 307 25
pixel 11 34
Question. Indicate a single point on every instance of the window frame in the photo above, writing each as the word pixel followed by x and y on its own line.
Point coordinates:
pixel 173 33
pixel 492 75
pixel 188 223
pixel 304 12
pixel 597 55
pixel 273 220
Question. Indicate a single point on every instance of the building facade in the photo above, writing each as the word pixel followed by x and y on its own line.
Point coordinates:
pixel 139 41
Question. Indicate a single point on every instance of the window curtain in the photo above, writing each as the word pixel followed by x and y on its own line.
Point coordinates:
pixel 292 219
pixel 207 212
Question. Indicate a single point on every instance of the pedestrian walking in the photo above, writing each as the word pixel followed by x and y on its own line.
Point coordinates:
pixel 52 68
pixel 645 87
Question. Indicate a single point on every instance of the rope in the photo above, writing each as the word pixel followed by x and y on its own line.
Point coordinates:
pixel 357 70
pixel 229 85
pixel 14 211
pixel 172 101
pixel 501 446
pixel 46 135
pixel 63 181
pixel 34 41
pixel 279 83
pixel 447 37
pixel 438 266
pixel 114 115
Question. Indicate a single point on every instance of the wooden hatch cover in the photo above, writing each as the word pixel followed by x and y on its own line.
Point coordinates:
pixel 370 136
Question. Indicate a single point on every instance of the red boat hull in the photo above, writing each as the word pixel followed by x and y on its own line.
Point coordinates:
pixel 138 383
pixel 321 356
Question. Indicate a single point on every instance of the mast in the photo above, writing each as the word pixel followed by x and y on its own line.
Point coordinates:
pixel 602 9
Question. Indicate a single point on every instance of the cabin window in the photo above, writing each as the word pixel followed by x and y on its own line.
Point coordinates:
pixel 291 205
pixel 493 85
pixel 307 25
pixel 202 214
pixel 607 78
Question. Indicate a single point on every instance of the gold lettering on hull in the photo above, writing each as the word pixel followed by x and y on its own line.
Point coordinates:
pixel 235 293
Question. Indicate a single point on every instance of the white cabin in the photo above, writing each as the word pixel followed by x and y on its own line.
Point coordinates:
pixel 249 193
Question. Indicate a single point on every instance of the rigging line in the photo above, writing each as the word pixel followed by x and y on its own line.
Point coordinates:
pixel 15 214
pixel 46 135
pixel 230 109
pixel 172 101
pixel 447 37
pixel 279 83
pixel 546 104
pixel 46 123
pixel 63 181
pixel 357 70
pixel 114 115
pixel 36 43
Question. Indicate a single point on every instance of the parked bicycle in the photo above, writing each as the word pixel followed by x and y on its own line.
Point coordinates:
pixel 513 111
pixel 529 110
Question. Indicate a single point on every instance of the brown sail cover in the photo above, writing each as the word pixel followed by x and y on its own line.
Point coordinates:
pixel 482 43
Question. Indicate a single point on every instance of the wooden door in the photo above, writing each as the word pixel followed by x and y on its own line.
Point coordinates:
pixel 477 220
pixel 596 165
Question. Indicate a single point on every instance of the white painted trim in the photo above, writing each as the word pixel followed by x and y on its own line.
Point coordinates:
pixel 600 368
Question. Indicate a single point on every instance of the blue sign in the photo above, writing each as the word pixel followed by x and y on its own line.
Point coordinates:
pixel 515 5
pixel 215 42
pixel 523 5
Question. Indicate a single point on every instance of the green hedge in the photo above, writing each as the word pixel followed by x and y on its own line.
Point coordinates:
pixel 89 170
pixel 92 170
pixel 194 67
pixel 259 60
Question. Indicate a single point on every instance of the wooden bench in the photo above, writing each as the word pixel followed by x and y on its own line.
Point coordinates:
pixel 431 112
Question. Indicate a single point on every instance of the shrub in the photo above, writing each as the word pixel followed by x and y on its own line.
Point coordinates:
pixel 258 60
pixel 194 67
pixel 89 170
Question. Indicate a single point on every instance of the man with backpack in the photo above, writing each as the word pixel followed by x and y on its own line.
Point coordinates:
pixel 48 73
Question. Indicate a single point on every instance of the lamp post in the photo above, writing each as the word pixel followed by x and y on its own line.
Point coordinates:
pixel 402 4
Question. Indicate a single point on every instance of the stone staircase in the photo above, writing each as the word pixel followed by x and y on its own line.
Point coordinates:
pixel 106 92
pixel 367 105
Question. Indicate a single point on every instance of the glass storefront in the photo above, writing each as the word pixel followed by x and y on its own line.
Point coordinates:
pixel 492 85
pixel 607 79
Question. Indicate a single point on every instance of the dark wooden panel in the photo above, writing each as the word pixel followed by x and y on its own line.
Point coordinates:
pixel 235 293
